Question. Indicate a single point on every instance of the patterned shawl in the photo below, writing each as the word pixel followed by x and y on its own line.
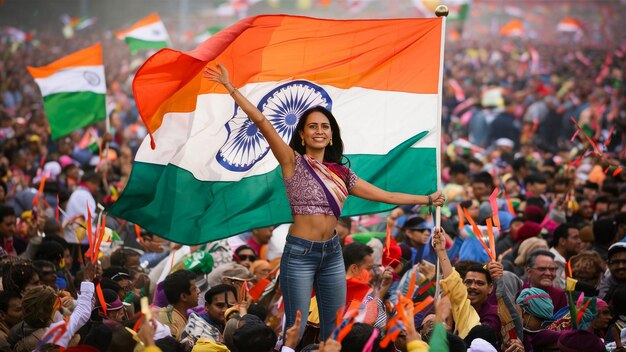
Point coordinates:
pixel 333 185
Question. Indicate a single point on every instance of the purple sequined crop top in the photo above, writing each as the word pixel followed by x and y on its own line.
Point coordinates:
pixel 306 196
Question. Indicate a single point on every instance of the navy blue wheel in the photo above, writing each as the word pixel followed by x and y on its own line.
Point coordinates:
pixel 283 106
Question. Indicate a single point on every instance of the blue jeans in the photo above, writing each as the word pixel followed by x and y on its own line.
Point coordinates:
pixel 306 265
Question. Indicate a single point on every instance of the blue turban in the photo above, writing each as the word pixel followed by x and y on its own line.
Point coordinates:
pixel 536 302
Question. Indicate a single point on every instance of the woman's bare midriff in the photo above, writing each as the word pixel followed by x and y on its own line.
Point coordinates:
pixel 317 227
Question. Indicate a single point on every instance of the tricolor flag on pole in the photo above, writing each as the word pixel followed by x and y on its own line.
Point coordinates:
pixel 73 90
pixel 148 33
pixel 569 24
pixel 210 173
pixel 513 28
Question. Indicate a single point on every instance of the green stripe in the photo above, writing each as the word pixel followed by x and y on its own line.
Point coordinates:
pixel 170 202
pixel 68 112
pixel 137 44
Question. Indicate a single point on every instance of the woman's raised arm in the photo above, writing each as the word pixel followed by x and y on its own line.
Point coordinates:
pixel 281 150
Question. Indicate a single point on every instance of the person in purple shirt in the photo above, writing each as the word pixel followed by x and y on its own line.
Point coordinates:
pixel 479 285
pixel 541 271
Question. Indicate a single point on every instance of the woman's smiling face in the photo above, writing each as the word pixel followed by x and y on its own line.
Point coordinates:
pixel 317 132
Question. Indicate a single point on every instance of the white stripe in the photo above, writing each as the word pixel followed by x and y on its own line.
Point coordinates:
pixel 371 122
pixel 153 32
pixel 74 79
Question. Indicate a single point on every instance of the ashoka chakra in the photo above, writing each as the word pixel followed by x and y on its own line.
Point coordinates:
pixel 282 106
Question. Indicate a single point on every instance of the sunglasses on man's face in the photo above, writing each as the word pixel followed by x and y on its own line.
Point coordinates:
pixel 243 257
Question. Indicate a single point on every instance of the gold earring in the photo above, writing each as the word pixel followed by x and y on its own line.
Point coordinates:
pixel 303 142
pixel 331 142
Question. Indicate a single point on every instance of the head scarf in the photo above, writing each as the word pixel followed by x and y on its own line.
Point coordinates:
pixel 601 304
pixel 536 302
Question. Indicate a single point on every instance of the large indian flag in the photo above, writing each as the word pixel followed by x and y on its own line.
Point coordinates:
pixel 148 33
pixel 73 90
pixel 208 173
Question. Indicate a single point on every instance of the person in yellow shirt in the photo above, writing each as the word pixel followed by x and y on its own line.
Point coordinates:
pixel 182 294
pixel 465 316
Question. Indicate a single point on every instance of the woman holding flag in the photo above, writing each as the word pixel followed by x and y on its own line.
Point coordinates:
pixel 317 184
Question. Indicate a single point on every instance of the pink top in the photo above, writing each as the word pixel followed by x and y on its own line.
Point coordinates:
pixel 306 196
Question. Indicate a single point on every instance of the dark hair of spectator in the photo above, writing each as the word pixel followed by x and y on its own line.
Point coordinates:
pixel 18 276
pixel 5 298
pixel 483 177
pixel 562 231
pixel 482 332
pixel 5 211
pixel 177 283
pixel 355 253
pixel 120 256
pixel 479 269
pixel 358 337
pixel 463 266
pixel 218 289
pixel 458 168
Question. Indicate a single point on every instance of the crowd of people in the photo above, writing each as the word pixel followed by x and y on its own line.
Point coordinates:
pixel 542 125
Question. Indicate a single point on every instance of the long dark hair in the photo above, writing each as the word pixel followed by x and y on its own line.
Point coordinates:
pixel 332 153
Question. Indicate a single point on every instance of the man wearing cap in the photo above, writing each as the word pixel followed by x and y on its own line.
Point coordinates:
pixel 235 276
pixel 617 272
pixel 114 307
pixel 416 233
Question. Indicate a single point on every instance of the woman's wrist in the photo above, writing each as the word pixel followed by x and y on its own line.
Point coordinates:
pixel 230 88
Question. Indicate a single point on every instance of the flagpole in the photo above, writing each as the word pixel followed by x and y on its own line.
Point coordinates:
pixel 442 12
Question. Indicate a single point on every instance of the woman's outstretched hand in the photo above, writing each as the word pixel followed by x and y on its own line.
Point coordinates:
pixel 438 199
pixel 220 76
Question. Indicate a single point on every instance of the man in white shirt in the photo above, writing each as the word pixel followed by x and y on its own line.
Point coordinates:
pixel 77 204
pixel 566 243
